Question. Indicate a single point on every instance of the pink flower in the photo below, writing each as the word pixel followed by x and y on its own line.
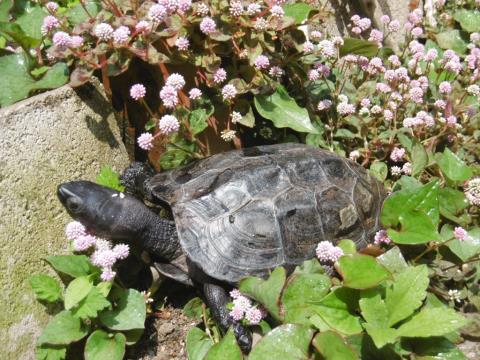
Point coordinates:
pixel 394 26
pixel 327 48
pixel 219 76
pixel 417 31
pixel 396 170
pixel 202 9
pixel 253 8
pixel 276 72
pixel 104 258
pixel 324 105
pixel 407 168
pixel 176 81
pixel 84 242
pixel 416 94
pixel 138 91
pixel 394 60
pixel 365 102
pixel 243 302
pixel 431 55
pixel 460 234
pixel 145 141
pixel 308 47
pixel 327 252
pixel 229 92
pixel 316 35
pixel 107 274
pixel 397 154
pixel 157 13
pixel 416 16
pixel 49 23
pixel 121 35
pixel 445 87
pixel 142 26
pixel 376 36
pixel 168 124
pixel 440 104
pixel 345 108
pixel 354 155
pixel 236 8
pixel 182 43
pixel 74 230
pixel 169 96
pixel 385 19
pixel 103 31
pixel 262 62
pixel 313 75
pixel 208 26
pixel 388 114
pixel 76 41
pixel 235 293
pixel 451 121
pixel 195 93
pixel 472 191
pixel 253 315
pixel 52 7
pixel 277 11
pixel 184 5
pixel 381 237
pixel 61 39
pixel 121 251
pixel 236 313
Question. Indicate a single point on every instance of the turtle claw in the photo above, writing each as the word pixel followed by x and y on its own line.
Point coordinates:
pixel 243 336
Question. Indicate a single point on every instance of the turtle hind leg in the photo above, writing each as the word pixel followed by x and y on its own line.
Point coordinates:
pixel 134 176
pixel 217 300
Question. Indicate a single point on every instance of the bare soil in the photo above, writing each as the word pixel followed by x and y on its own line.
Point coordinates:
pixel 166 329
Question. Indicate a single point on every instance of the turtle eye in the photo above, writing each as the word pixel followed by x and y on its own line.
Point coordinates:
pixel 74 204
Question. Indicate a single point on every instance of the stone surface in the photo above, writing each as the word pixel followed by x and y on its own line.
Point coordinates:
pixel 57 136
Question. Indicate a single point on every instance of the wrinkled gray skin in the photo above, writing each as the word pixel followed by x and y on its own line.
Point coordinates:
pixel 236 214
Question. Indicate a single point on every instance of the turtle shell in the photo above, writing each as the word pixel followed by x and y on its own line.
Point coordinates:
pixel 247 211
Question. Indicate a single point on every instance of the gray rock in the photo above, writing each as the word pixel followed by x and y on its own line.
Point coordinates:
pixel 60 135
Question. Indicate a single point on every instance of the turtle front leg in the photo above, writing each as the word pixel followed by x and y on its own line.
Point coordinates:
pixel 217 300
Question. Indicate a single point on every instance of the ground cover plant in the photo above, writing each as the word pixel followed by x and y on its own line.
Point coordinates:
pixel 267 72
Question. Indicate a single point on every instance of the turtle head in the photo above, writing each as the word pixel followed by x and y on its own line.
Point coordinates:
pixel 104 211
pixel 110 214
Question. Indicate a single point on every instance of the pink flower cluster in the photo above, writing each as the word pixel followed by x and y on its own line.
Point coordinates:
pixel 381 237
pixel 244 309
pixel 328 253
pixel 104 255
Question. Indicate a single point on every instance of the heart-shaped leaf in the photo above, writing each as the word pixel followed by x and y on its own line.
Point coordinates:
pixel 102 345
pixel 361 271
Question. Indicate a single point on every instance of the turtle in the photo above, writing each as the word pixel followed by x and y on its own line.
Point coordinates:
pixel 235 214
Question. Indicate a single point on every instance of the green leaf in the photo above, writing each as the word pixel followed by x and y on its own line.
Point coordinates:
pixel 419 158
pixel 197 344
pixel 77 15
pixel 373 308
pixel 198 121
pixel 129 312
pixel 360 271
pixel 174 158
pixel 77 290
pixel 51 352
pixel 452 166
pixel 89 306
pixel 31 21
pixel 332 347
pixel 452 203
pixel 284 342
pixel 101 345
pixel 16 82
pixel 109 178
pixel 416 212
pixel 348 246
pixel 133 336
pixel 72 265
pixel 379 170
pixel 299 292
pixel 45 288
pixel 380 335
pixel 432 322
pixel 104 287
pixel 407 293
pixel 226 349
pixel 393 260
pixel 298 11
pixel 193 309
pixel 466 249
pixel 5 6
pixel 451 39
pixel 435 348
pixel 469 19
pixel 337 310
pixel 310 267
pixel 358 47
pixel 15 32
pixel 283 111
pixel 266 292
pixel 63 329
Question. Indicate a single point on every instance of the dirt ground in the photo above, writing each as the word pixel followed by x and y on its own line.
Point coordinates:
pixel 165 333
